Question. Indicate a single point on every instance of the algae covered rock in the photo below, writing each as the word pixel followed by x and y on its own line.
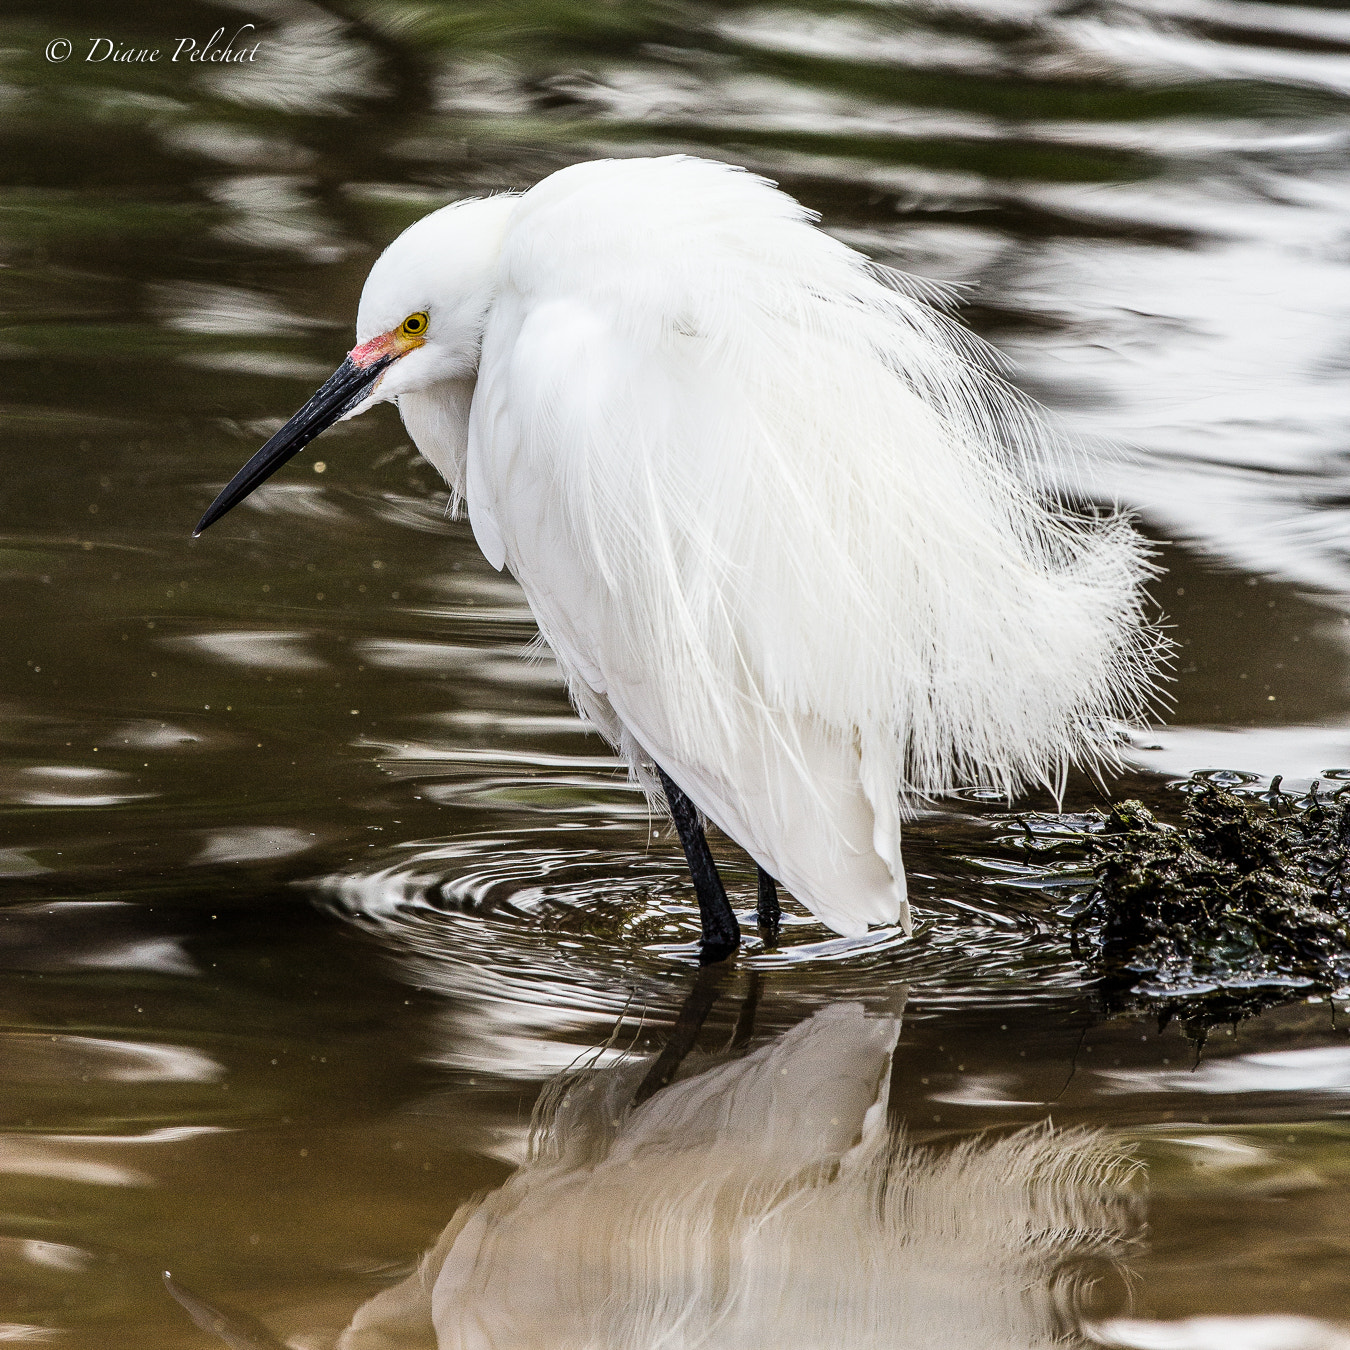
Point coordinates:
pixel 1243 903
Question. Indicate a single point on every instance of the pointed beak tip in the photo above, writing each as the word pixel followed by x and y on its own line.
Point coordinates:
pixel 345 390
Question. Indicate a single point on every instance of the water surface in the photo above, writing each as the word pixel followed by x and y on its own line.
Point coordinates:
pixel 310 882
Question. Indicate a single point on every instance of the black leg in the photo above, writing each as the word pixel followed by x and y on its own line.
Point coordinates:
pixel 721 932
pixel 693 1013
pixel 767 909
pixel 745 1023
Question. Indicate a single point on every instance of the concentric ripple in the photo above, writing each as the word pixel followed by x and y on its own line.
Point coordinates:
pixel 544 946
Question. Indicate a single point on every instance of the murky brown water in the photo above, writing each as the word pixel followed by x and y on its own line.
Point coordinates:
pixel 311 883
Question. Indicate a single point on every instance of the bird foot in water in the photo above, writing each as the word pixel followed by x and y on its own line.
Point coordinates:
pixel 714 949
pixel 767 909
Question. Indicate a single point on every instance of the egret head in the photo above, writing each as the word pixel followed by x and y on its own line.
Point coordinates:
pixel 420 323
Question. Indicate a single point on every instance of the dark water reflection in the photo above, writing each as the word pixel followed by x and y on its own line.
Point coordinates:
pixel 311 883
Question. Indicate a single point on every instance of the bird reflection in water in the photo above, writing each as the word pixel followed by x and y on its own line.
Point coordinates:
pixel 765 1201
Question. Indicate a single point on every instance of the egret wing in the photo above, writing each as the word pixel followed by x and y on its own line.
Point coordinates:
pixel 580 443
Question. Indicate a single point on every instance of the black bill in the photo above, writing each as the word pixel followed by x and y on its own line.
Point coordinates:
pixel 238 1330
pixel 342 391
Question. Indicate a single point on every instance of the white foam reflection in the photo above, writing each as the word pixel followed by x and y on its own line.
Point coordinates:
pixel 1324 1071
pixel 1159 50
pixel 1221 1152
pixel 84 1158
pixel 252 843
pixel 272 365
pixel 1224 1333
pixel 989 1089
pixel 165 955
pixel 509 664
pixel 1300 754
pixel 859 38
pixel 295 499
pixel 148 735
pixel 765 1201
pixel 1220 362
pixel 273 211
pixel 52 1255
pixel 23 1155
pixel 259 649
pixel 199 307
pixel 519 779
pixel 65 785
pixel 15 863
pixel 36 1057
pixel 1256 17
pixel 237 146
pixel 309 65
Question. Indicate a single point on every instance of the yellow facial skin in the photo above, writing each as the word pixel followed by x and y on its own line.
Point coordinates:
pixel 408 336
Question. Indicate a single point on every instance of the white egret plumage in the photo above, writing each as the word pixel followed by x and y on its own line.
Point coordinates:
pixel 773 511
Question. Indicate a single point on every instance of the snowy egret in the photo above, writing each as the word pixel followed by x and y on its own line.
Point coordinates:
pixel 773 511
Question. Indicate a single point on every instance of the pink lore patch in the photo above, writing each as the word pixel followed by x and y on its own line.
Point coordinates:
pixel 391 343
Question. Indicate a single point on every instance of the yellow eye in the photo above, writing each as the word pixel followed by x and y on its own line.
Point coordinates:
pixel 414 325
